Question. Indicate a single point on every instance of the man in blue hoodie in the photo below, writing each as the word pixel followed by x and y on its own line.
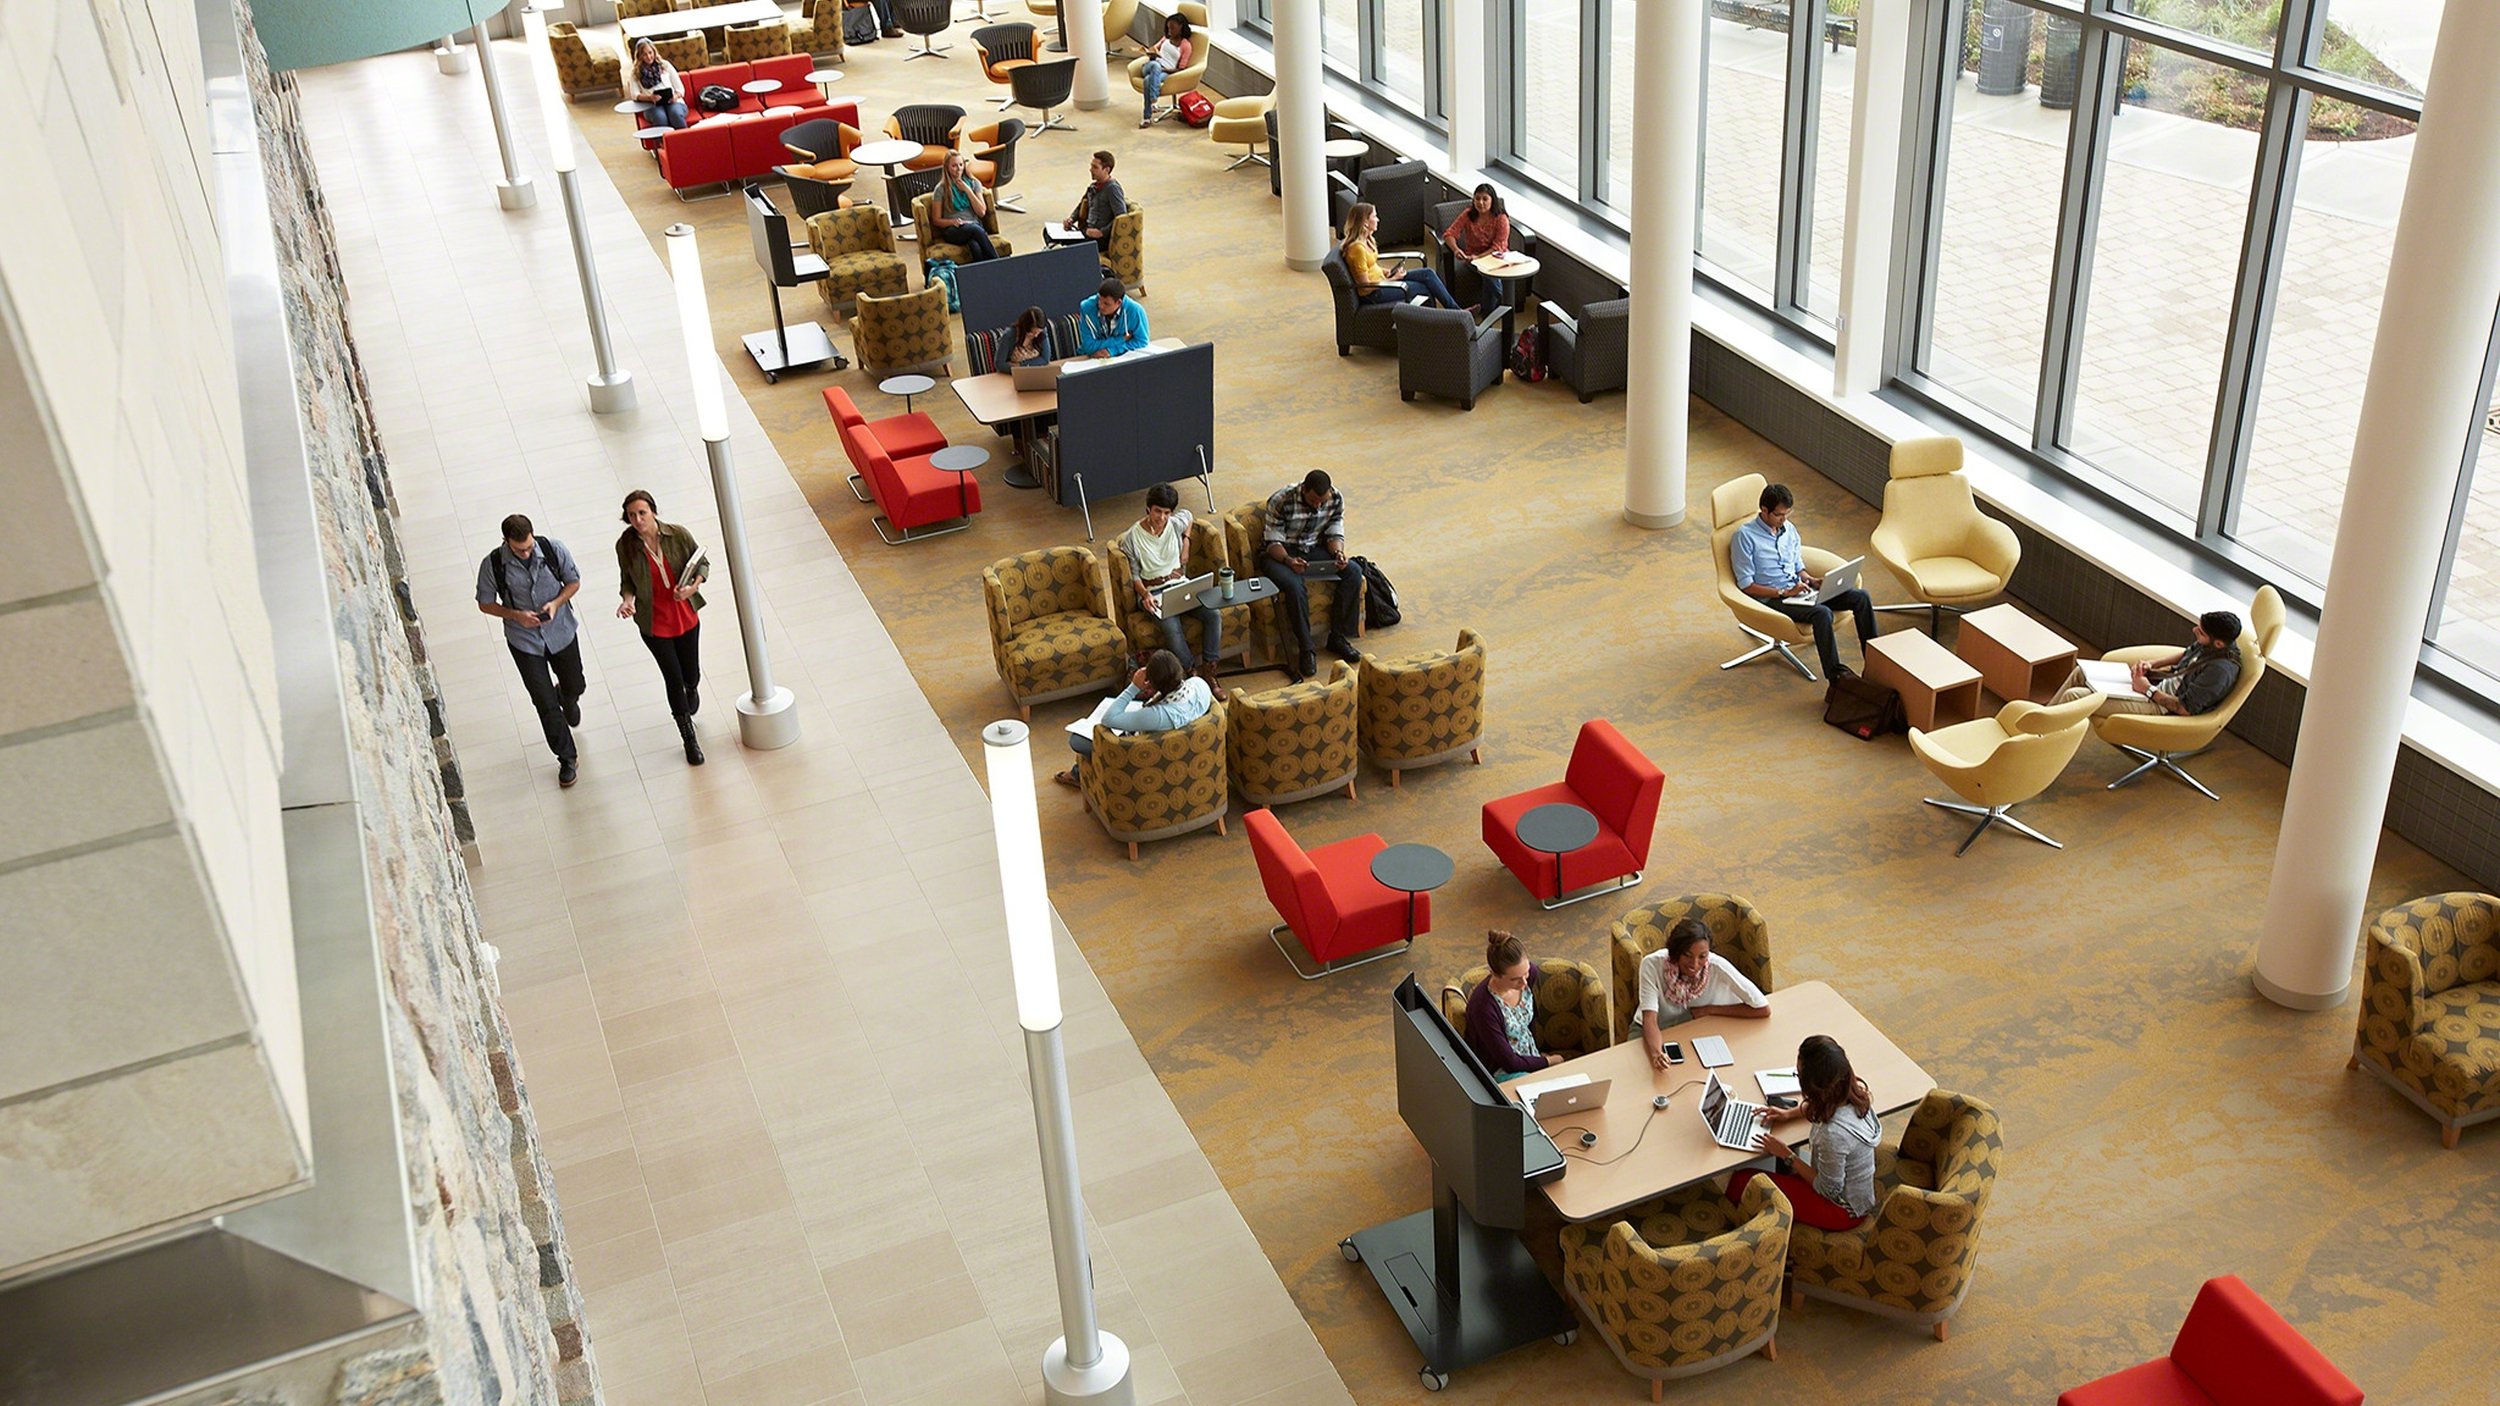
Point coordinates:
pixel 1108 324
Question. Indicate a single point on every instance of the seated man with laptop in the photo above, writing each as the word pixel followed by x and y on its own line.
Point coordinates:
pixel 1769 556
pixel 1158 552
pixel 1305 541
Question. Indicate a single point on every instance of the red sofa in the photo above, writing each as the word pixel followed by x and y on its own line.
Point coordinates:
pixel 1614 782
pixel 910 491
pixel 725 148
pixel 1329 900
pixel 2233 1350
pixel 901 436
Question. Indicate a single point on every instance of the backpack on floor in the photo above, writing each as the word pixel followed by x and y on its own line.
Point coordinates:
pixel 1380 598
pixel 1527 356
pixel 943 271
pixel 859 25
pixel 1194 108
pixel 1863 709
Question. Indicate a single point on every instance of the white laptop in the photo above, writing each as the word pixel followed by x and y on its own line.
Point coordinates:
pixel 1732 1123
pixel 1044 377
pixel 1842 578
pixel 1574 1098
pixel 1181 595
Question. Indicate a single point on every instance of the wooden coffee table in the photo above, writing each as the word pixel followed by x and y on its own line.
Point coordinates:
pixel 1937 690
pixel 2016 656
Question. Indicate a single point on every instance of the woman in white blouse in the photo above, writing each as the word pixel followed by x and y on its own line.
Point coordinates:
pixel 1158 554
pixel 1685 979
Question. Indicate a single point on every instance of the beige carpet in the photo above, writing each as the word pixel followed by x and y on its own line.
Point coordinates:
pixel 2162 1123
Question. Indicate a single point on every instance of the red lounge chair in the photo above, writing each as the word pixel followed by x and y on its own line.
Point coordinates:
pixel 901 436
pixel 1329 900
pixel 1611 780
pixel 2233 1350
pixel 911 492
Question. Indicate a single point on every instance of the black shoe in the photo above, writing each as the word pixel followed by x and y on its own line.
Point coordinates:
pixel 1344 649
pixel 572 712
pixel 567 772
pixel 1841 671
pixel 890 33
pixel 694 749
pixel 694 701
pixel 1304 665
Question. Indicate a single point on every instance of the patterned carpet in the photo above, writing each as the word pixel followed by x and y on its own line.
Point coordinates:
pixel 2162 1124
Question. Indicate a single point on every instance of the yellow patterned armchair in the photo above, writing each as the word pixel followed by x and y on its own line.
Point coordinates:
pixel 1205 554
pixel 1124 248
pixel 1570 1005
pixel 1049 631
pixel 2430 1007
pixel 1913 1259
pixel 1737 932
pixel 1154 785
pixel 1296 742
pixel 685 53
pixel 1423 709
pixel 857 246
pixel 1685 1283
pixel 580 68
pixel 907 332
pixel 1245 529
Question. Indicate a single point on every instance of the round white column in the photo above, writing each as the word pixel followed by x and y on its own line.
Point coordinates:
pixel 1301 124
pixel 1666 155
pixel 2421 402
pixel 1083 19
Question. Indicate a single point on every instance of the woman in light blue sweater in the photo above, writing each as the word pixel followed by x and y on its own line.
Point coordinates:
pixel 1832 1186
pixel 1160 697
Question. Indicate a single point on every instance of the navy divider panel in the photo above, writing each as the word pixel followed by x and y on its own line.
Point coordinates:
pixel 995 292
pixel 1105 438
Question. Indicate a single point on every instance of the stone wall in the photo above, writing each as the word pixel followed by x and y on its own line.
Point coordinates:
pixel 502 1313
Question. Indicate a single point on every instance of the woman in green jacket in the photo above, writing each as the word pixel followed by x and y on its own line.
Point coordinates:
pixel 659 567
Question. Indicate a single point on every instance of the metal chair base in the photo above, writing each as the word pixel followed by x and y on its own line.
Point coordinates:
pixel 1769 644
pixel 1012 204
pixel 1051 122
pixel 2165 762
pixel 1253 158
pixel 1275 935
pixel 1989 815
pixel 914 534
pixel 928 50
pixel 859 489
pixel 1631 880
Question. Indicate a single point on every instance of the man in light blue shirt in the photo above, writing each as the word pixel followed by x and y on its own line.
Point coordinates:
pixel 1769 557
pixel 1110 323
pixel 528 583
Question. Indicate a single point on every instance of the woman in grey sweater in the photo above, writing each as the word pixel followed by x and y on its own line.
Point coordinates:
pixel 1833 1186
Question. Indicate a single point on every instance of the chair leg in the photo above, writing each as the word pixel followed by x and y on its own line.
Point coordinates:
pixel 2354 1062
pixel 1349 788
pixel 1771 1349
pixel 1657 1390
pixel 2165 762
pixel 1132 851
pixel 2448 1137
pixel 1219 828
pixel 1476 755
pixel 1766 646
pixel 1394 774
pixel 1939 1329
pixel 1024 712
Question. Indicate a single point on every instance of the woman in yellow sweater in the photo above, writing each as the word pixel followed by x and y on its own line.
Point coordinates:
pixel 1372 283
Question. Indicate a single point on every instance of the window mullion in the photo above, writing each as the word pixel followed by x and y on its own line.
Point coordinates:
pixel 1593 141
pixel 1790 267
pixel 1936 29
pixel 2070 279
pixel 2465 489
pixel 2270 194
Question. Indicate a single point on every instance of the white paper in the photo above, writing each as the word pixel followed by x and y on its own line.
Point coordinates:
pixel 2113 679
pixel 694 564
pixel 1084 726
pixel 1778 1082
pixel 1712 1052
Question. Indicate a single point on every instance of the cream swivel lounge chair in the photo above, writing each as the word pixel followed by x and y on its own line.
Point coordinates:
pixel 2164 741
pixel 1998 763
pixel 1933 538
pixel 1731 503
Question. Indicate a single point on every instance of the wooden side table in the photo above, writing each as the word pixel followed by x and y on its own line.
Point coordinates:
pixel 2016 656
pixel 1937 690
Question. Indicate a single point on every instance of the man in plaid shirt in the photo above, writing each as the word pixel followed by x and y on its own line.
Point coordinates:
pixel 1305 541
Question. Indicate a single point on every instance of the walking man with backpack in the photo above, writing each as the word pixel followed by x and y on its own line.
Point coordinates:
pixel 529 583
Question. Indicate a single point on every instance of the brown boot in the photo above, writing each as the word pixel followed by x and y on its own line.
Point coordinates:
pixel 1207 671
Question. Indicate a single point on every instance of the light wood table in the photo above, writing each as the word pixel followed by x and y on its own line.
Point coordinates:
pixel 994 400
pixel 2016 656
pixel 1676 1150
pixel 688 21
pixel 1937 690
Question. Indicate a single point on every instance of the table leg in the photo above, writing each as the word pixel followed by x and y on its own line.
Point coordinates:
pixel 1410 915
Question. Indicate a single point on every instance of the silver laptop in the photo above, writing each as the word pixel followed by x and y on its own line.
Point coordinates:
pixel 1732 1123
pixel 1044 377
pixel 1181 595
pixel 1842 578
pixel 1578 1098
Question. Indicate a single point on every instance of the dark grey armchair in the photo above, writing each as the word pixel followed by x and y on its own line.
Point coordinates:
pixel 1461 275
pixel 1358 323
pixel 1445 352
pixel 1330 131
pixel 1401 191
pixel 810 197
pixel 1590 353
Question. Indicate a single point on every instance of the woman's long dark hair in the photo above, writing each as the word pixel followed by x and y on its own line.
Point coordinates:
pixel 1182 37
pixel 1827 1080
pixel 1028 322
pixel 1473 215
pixel 1165 674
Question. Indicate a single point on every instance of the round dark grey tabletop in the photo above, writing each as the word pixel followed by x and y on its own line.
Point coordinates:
pixel 1557 829
pixel 1245 588
pixel 960 457
pixel 1412 868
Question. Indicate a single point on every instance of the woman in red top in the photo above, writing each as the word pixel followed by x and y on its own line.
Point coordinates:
pixel 1480 229
pixel 659 566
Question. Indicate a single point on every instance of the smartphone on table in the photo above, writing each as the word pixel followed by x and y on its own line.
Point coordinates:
pixel 1675 1051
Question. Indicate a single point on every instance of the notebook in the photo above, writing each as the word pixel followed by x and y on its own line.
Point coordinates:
pixel 2116 680
pixel 1712 1052
pixel 1778 1083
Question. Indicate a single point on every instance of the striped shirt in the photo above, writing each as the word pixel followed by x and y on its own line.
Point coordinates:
pixel 1300 528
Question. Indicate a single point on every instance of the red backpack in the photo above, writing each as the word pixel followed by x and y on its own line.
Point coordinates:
pixel 1194 108
pixel 1527 356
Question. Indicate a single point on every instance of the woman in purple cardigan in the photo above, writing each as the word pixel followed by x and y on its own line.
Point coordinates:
pixel 1501 1010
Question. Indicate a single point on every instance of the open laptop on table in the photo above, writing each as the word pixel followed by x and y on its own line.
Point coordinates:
pixel 1564 1095
pixel 1180 595
pixel 1732 1123
pixel 1044 377
pixel 1840 579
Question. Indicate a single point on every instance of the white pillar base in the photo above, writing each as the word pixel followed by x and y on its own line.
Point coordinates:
pixel 1655 522
pixel 1106 1383
pixel 2299 1000
pixel 612 397
pixel 516 195
pixel 770 725
pixel 1304 265
pixel 451 61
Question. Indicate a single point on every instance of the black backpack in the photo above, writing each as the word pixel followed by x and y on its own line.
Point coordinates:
pixel 717 97
pixel 1863 709
pixel 859 25
pixel 1380 597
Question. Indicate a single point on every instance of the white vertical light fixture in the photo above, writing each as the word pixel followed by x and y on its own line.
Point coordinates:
pixel 450 60
pixel 611 388
pixel 514 191
pixel 1086 1366
pixel 768 717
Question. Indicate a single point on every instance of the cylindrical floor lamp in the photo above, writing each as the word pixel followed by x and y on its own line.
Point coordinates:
pixel 514 191
pixel 611 388
pixel 768 717
pixel 1086 1365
